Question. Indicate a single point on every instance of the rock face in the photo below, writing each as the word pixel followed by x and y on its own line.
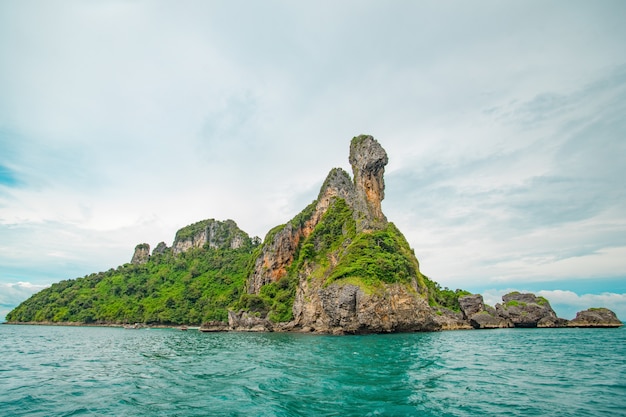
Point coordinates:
pixel 527 310
pixel 368 160
pixel 471 304
pixel 244 322
pixel 451 320
pixel 341 307
pixel 363 195
pixel 141 255
pixel 481 316
pixel 214 326
pixel 160 249
pixel 596 317
pixel 213 233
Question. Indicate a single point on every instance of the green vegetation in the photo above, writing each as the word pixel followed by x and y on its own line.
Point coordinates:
pixel 202 284
pixel 276 299
pixel 515 303
pixel 193 287
pixel 443 297
pixel 335 253
pixel 542 301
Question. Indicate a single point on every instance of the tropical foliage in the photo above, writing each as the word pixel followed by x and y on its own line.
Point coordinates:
pixel 189 288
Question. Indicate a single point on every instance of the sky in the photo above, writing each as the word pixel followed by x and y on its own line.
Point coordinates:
pixel 504 122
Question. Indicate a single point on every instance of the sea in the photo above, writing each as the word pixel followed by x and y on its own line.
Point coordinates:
pixel 98 371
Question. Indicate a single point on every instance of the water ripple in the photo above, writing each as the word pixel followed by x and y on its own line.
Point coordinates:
pixel 70 371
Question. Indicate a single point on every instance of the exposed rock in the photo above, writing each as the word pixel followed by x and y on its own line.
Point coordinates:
pixel 487 320
pixel 141 255
pixel 245 322
pixel 596 317
pixel 212 233
pixel 451 320
pixel 339 309
pixel 471 304
pixel 276 256
pixel 479 315
pixel 281 245
pixel 363 195
pixel 368 160
pixel 160 249
pixel 214 326
pixel 525 310
pixel 552 322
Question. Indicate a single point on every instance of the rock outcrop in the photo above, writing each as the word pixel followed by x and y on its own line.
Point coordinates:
pixel 160 249
pixel 527 310
pixel 596 317
pixel 368 160
pixel 481 316
pixel 363 195
pixel 141 254
pixel 340 309
pixel 344 307
pixel 245 322
pixel 211 233
pixel 451 320
pixel 214 327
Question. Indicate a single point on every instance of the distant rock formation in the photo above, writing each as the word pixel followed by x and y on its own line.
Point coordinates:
pixel 481 316
pixel 160 249
pixel 596 317
pixel 368 160
pixel 212 233
pixel 527 310
pixel 141 254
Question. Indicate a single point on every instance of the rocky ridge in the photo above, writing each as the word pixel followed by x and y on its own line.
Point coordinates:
pixel 141 254
pixel 595 317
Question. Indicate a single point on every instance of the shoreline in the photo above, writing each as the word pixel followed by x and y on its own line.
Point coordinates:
pixel 279 330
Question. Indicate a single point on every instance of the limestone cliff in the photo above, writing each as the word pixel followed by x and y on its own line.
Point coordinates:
pixel 212 233
pixel 363 196
pixel 351 271
pixel 282 243
pixel 141 254
pixel 368 160
pixel 160 249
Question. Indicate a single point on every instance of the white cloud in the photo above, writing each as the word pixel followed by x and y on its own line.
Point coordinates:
pixel 11 294
pixel 572 301
pixel 121 122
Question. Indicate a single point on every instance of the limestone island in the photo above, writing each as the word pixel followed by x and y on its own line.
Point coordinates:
pixel 338 267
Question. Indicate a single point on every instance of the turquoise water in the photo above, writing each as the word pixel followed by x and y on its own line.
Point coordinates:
pixel 86 371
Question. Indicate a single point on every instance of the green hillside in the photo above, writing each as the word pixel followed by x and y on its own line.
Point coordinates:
pixel 189 288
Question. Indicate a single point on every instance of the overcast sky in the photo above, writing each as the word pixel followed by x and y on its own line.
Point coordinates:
pixel 123 121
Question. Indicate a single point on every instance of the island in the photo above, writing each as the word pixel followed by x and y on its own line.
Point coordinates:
pixel 337 267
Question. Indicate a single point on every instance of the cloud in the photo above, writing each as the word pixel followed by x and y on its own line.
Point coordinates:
pixel 121 122
pixel 542 202
pixel 12 294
